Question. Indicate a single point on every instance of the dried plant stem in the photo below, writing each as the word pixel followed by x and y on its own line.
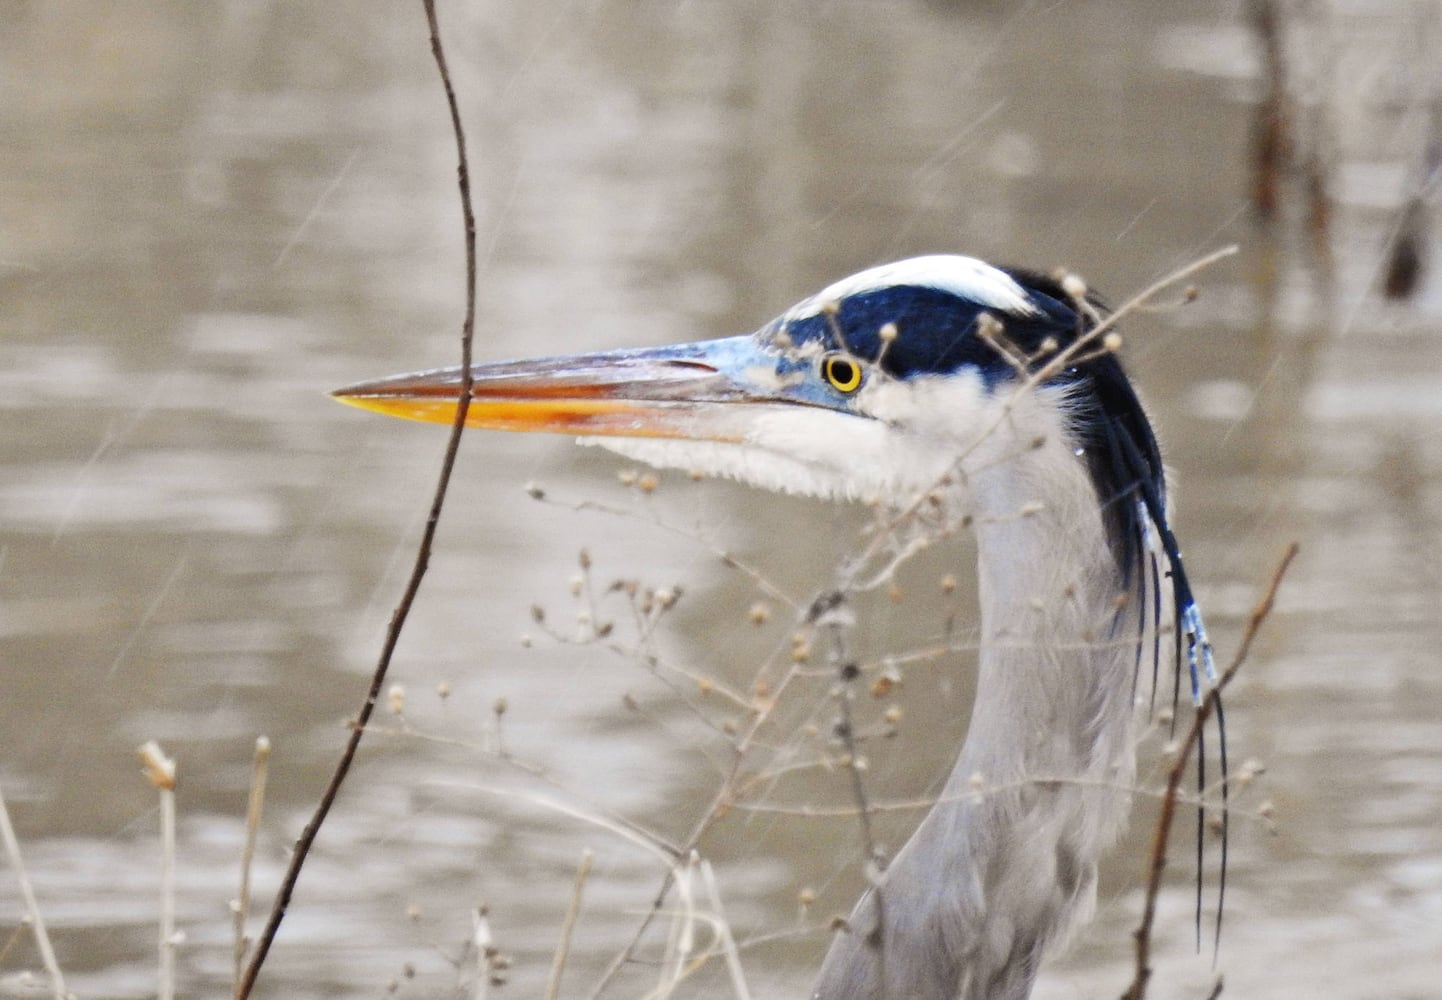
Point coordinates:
pixel 259 772
pixel 682 940
pixel 160 772
pixel 484 946
pixel 1158 862
pixel 694 535
pixel 721 803
pixel 32 908
pixel 167 894
pixel 563 948
pixel 723 929
pixel 423 554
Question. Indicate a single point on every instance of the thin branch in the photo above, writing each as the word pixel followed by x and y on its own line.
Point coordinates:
pixel 32 908
pixel 666 854
pixel 695 536
pixel 976 794
pixel 423 554
pixel 831 612
pixel 1143 934
pixel 681 941
pixel 727 940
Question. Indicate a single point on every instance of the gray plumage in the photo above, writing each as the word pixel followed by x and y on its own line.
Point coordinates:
pixel 1005 864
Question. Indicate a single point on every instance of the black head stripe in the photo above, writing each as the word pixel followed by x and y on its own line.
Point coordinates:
pixel 936 330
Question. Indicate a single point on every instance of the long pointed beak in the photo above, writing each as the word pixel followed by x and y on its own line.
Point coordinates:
pixel 683 391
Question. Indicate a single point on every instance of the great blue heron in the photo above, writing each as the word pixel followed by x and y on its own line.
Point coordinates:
pixel 943 377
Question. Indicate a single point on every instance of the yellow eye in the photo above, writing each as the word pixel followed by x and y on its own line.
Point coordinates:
pixel 842 372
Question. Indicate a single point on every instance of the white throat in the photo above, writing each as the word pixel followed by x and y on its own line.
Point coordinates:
pixel 904 439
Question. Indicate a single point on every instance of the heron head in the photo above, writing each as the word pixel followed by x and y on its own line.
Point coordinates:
pixel 879 386
pixel 933 371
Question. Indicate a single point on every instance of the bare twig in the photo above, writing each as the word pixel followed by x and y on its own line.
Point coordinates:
pixel 32 908
pixel 695 535
pixel 563 948
pixel 254 805
pixel 423 554
pixel 972 794
pixel 1158 863
pixel 666 854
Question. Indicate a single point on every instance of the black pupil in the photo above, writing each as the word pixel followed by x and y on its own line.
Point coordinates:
pixel 843 372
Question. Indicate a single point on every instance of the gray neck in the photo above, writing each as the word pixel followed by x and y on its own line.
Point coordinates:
pixel 1006 861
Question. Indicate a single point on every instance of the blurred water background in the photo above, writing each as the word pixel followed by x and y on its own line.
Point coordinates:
pixel 211 214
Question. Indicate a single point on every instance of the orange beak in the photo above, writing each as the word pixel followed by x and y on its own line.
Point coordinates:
pixel 685 391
